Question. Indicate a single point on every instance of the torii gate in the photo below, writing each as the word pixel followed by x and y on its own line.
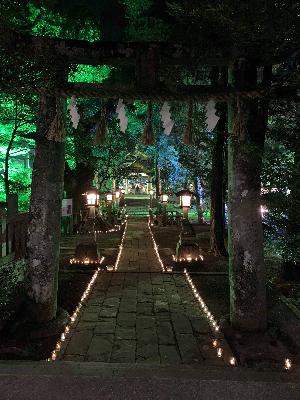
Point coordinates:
pixel 247 110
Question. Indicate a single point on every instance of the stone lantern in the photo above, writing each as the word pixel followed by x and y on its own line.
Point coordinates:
pixel 185 201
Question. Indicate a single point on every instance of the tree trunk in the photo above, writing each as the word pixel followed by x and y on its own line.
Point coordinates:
pixel 247 120
pixel 217 225
pixel 45 216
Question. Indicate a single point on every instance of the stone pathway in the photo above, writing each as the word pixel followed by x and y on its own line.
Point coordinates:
pixel 140 317
pixel 138 254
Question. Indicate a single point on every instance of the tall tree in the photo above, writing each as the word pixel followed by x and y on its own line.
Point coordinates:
pixel 217 195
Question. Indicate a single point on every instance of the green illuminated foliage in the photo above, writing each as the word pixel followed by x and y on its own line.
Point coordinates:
pixel 17 119
pixel 90 73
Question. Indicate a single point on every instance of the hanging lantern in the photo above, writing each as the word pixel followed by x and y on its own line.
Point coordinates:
pixel 188 134
pixel 101 129
pixel 148 136
pixel 92 198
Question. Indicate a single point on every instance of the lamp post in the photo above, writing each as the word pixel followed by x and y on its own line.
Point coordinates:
pixel 164 198
pixel 151 192
pixel 185 200
pixel 117 196
pixel 164 201
pixel 92 200
pixel 109 201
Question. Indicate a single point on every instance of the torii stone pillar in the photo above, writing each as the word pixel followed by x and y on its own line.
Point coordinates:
pixel 45 215
pixel 247 122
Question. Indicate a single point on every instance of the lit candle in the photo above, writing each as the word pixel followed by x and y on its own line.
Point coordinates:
pixel 219 352
pixel 232 361
pixel 287 364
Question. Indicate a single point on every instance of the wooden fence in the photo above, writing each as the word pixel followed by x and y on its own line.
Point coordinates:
pixel 13 235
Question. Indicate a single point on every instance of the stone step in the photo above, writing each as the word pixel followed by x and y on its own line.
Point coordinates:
pixel 21 380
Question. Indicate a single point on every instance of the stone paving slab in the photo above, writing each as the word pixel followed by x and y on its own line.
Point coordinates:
pixel 138 252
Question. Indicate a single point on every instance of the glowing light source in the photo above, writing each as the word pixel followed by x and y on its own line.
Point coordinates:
pixel 232 361
pixel 185 198
pixel 109 196
pixel 92 198
pixel 287 364
pixel 219 352
pixel 263 210
pixel 164 198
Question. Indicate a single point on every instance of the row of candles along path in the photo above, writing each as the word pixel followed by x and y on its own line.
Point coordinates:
pixel 117 228
pixel 216 343
pixel 287 364
pixel 74 316
pixel 83 299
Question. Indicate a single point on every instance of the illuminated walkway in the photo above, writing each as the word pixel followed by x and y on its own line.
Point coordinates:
pixel 140 314
pixel 138 254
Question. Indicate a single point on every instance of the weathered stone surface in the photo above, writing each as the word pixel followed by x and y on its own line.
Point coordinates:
pixel 106 326
pixel 147 353
pixel 125 333
pixel 126 319
pixel 200 325
pixel 169 354
pixel 165 333
pixel 173 298
pixel 188 348
pixel 145 322
pixel 100 348
pixel 124 351
pixel 144 309
pixel 108 312
pixel 79 343
pixel 159 289
pixel 161 306
pixel 89 316
pixel 85 325
pixel 181 324
pixel 128 306
pixel 111 302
